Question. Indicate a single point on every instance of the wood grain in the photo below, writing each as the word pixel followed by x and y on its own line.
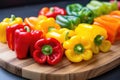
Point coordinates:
pixel 65 70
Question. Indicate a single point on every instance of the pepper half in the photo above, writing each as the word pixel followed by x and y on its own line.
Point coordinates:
pixel 48 50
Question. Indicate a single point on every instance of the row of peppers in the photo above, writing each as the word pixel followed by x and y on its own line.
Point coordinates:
pixel 46 40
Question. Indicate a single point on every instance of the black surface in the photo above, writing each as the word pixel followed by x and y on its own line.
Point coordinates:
pixel 32 10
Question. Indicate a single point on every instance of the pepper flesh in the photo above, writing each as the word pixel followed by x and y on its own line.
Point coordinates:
pixel 54 57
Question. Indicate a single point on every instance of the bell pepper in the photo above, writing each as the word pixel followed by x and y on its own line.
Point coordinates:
pixel 73 9
pixel 100 8
pixel 48 50
pixel 61 35
pixel 77 49
pixel 24 41
pixel 96 35
pixel 8 22
pixel 41 23
pixel 10 31
pixel 86 15
pixel 52 11
pixel 112 25
pixel 69 22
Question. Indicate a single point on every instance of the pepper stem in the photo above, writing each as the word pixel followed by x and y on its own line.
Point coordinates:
pixel 47 50
pixel 12 18
pixel 27 28
pixel 51 9
pixel 79 48
pixel 98 40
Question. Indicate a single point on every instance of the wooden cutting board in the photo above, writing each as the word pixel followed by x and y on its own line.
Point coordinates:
pixel 65 70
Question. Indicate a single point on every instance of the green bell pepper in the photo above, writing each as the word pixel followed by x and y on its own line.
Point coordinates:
pixel 86 15
pixel 69 22
pixel 73 9
pixel 101 8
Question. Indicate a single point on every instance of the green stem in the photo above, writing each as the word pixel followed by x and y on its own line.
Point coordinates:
pixel 98 40
pixel 47 50
pixel 79 48
pixel 27 28
pixel 12 18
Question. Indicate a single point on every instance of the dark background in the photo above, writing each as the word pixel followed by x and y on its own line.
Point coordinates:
pixel 27 8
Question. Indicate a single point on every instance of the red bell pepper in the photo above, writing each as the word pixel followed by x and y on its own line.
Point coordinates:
pixel 52 11
pixel 10 34
pixel 48 50
pixel 25 40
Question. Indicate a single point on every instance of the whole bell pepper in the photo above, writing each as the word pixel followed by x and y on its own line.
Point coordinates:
pixel 52 11
pixel 73 9
pixel 96 35
pixel 48 50
pixel 77 49
pixel 8 22
pixel 41 23
pixel 86 15
pixel 10 31
pixel 112 25
pixel 25 40
pixel 69 22
pixel 61 35
pixel 100 8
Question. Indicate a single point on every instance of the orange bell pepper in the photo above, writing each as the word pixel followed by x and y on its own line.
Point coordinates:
pixel 112 24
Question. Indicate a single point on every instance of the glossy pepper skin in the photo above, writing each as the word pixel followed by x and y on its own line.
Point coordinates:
pixel 86 15
pixel 48 50
pixel 10 31
pixel 77 49
pixel 96 36
pixel 73 9
pixel 8 22
pixel 52 11
pixel 61 35
pixel 25 40
pixel 101 8
pixel 69 22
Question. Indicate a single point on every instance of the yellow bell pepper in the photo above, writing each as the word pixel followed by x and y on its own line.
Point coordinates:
pixel 77 49
pixel 60 34
pixel 45 23
pixel 96 35
pixel 8 22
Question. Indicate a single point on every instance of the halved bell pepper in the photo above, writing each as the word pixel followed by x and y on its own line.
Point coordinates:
pixel 96 35
pixel 8 22
pixel 77 49
pixel 48 50
pixel 10 31
pixel 25 40
pixel 112 25
pixel 61 35
pixel 69 22
pixel 52 11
